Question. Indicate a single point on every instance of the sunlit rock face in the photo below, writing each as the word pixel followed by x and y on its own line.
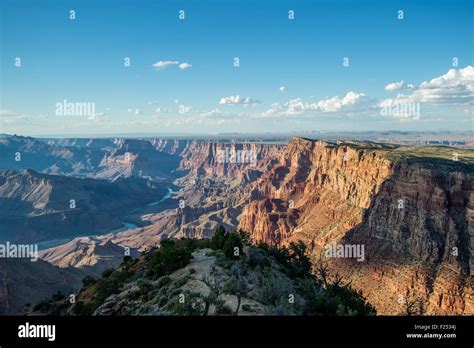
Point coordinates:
pixel 413 215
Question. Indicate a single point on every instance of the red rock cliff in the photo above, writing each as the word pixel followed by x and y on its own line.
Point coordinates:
pixel 414 217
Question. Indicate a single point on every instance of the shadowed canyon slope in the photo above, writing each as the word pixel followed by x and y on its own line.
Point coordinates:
pixel 37 207
pixel 23 282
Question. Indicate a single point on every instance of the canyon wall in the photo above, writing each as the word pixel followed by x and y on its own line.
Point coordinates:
pixel 230 160
pixel 413 216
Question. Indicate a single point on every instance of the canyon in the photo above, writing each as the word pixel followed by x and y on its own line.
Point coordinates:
pixel 413 211
pixel 412 208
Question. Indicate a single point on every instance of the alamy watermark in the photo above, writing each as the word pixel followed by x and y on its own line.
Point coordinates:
pixel 68 108
pixel 229 155
pixel 354 251
pixel 401 109
pixel 24 251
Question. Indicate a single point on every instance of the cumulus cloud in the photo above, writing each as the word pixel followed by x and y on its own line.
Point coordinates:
pixel 183 66
pixel 236 99
pixel 456 87
pixel 336 104
pixel 298 106
pixel 395 86
pixel 160 65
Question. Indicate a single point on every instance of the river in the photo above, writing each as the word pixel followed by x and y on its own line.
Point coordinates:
pixel 125 226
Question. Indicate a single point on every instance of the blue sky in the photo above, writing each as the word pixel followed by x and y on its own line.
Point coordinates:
pixel 291 74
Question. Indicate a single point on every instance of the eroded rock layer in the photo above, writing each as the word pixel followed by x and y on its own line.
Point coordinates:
pixel 412 213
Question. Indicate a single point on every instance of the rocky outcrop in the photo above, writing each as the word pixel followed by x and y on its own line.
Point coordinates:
pixel 411 210
pixel 140 158
pixel 92 255
pixel 170 146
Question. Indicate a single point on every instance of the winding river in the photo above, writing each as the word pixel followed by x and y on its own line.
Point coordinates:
pixel 125 226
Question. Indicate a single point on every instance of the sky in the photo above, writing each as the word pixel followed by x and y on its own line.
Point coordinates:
pixel 334 65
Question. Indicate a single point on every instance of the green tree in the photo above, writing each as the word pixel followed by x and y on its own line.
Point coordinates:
pixel 167 259
pixel 219 238
pixel 233 246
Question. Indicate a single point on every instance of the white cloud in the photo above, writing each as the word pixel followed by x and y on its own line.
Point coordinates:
pixel 336 104
pixel 236 99
pixel 282 89
pixel 298 106
pixel 9 117
pixel 214 112
pixel 183 66
pixel 160 65
pixel 395 86
pixel 456 87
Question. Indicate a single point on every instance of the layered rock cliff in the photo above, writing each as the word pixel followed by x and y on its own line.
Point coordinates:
pixel 231 160
pixel 412 211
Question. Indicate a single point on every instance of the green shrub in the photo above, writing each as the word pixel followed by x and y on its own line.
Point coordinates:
pixel 233 247
pixel 193 304
pixel 163 281
pixel 294 259
pixel 107 272
pixel 219 238
pixel 247 308
pixel 256 257
pixel 167 259
pixel 58 296
pixel 300 262
pixel 81 308
pixel 163 300
pixel 333 300
pixel 88 281
pixel 223 309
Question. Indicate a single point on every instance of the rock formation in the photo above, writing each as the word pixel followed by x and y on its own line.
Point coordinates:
pixel 412 209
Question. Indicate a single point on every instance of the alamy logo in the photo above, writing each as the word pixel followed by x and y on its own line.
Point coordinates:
pixel 240 156
pixel 37 331
pixel 24 251
pixel 401 110
pixel 354 251
pixel 67 108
